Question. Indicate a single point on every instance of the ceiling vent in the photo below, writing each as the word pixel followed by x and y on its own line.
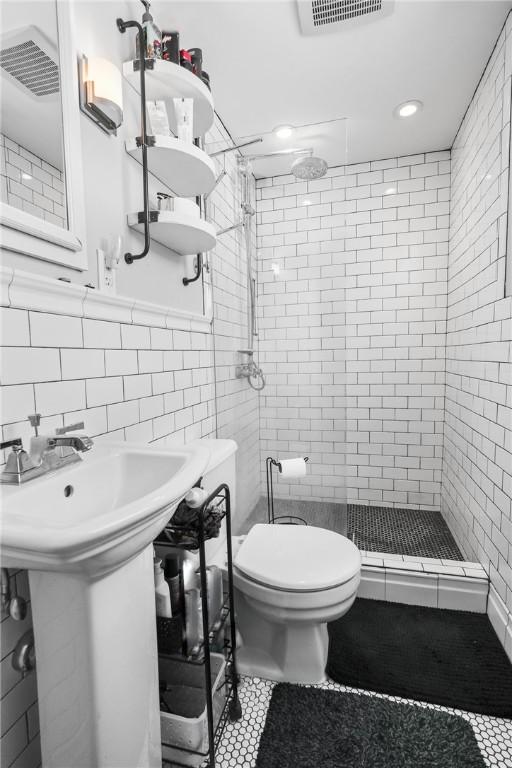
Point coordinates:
pixel 317 16
pixel 29 60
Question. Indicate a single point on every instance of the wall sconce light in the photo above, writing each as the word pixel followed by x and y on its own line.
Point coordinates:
pixel 101 93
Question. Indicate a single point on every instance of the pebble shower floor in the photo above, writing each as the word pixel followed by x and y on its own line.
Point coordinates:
pixel 413 532
pixel 239 745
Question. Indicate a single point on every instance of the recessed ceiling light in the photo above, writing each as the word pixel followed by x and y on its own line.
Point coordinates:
pixel 283 131
pixel 26 176
pixel 390 191
pixel 408 108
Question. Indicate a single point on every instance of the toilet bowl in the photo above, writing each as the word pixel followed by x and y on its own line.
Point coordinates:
pixel 289 582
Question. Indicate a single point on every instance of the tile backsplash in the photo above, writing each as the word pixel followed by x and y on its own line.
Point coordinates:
pixel 131 380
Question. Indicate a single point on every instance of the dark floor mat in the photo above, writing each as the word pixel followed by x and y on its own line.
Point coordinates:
pixel 427 654
pixel 413 532
pixel 315 728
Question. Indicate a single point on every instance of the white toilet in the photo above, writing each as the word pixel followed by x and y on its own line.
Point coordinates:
pixel 290 580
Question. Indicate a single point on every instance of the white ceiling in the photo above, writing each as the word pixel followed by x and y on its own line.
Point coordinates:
pixel 264 72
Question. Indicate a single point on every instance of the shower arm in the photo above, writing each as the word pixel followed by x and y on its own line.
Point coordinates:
pixel 278 153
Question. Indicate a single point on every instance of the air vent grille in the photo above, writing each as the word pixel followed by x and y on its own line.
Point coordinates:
pixel 331 11
pixel 31 67
pixel 318 17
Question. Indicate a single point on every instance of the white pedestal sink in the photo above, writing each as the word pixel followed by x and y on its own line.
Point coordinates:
pixel 84 533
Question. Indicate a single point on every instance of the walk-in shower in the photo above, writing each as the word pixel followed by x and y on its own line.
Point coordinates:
pixel 311 378
pixel 301 416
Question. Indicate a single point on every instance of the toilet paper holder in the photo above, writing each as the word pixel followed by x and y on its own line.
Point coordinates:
pixel 281 519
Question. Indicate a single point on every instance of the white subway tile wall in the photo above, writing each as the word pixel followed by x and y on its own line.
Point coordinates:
pixel 352 283
pixel 477 464
pixel 29 183
pixel 133 382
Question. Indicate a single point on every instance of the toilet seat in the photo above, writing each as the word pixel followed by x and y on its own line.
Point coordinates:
pixel 297 558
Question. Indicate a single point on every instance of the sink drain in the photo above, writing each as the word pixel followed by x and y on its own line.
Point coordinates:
pixel 68 491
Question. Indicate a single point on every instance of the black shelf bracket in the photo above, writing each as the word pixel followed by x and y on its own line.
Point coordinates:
pixel 152 216
pixel 198 271
pixel 141 66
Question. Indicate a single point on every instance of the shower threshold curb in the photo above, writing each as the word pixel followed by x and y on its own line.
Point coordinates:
pixel 455 584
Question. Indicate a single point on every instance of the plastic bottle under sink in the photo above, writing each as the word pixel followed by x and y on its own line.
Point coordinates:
pixel 162 594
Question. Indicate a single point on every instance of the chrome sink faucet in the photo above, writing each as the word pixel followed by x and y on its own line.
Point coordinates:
pixel 20 466
pixel 47 452
pixel 78 442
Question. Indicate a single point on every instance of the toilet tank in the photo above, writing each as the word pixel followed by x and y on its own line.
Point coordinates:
pixel 221 468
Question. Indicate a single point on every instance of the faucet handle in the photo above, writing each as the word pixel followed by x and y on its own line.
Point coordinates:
pixel 35 421
pixel 69 428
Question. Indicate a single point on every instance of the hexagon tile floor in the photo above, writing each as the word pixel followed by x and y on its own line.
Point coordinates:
pixel 239 744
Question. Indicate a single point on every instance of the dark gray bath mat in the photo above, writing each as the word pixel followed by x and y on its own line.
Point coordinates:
pixel 439 656
pixel 315 728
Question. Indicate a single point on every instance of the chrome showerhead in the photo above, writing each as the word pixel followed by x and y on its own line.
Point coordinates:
pixel 308 168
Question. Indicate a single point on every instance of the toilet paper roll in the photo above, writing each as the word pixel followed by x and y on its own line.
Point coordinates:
pixel 292 467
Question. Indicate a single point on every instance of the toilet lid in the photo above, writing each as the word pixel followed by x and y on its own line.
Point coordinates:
pixel 298 557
